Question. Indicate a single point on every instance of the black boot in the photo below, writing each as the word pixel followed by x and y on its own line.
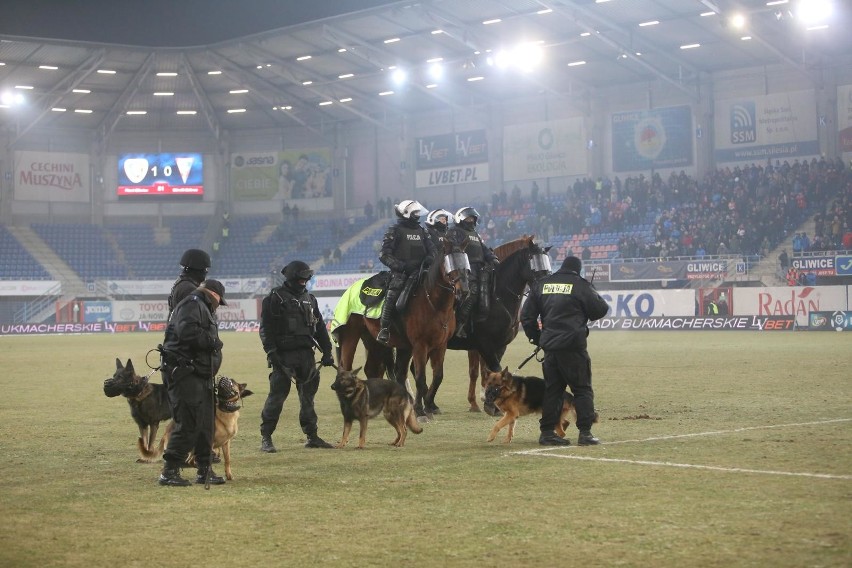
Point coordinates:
pixel 171 476
pixel 551 439
pixel 315 441
pixel 387 313
pixel 587 439
pixel 484 296
pixel 201 476
pixel 462 317
pixel 266 444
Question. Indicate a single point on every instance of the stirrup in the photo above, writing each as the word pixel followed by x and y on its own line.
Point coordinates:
pixel 383 336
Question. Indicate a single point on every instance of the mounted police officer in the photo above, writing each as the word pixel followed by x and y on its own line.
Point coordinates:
pixel 406 246
pixel 192 355
pixel 194 266
pixel 291 325
pixel 437 223
pixel 566 303
pixel 482 264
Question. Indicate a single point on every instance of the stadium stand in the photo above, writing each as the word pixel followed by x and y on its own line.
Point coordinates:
pixel 18 263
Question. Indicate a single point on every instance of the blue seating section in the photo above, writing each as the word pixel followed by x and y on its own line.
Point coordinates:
pixel 356 258
pixel 18 263
pixel 85 248
pixel 149 260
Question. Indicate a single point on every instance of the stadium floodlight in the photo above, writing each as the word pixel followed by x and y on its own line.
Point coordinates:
pixel 738 21
pixel 399 77
pixel 814 11
pixel 436 71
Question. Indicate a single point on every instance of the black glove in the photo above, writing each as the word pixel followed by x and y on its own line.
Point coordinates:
pixel 217 344
pixel 535 339
pixel 327 360
pixel 275 360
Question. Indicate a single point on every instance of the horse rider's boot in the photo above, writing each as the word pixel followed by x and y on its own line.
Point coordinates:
pixel 387 313
pixel 170 476
pixel 587 439
pixel 201 476
pixel 463 317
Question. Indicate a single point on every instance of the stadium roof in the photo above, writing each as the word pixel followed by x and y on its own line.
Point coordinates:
pixel 220 65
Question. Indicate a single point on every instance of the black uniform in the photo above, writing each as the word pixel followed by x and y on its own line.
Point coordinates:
pixel 438 234
pixel 482 262
pixel 290 323
pixel 192 355
pixel 405 247
pixel 566 303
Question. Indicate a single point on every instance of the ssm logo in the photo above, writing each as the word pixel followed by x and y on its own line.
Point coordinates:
pixel 743 123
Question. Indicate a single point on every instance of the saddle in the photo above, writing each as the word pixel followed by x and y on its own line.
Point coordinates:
pixel 374 289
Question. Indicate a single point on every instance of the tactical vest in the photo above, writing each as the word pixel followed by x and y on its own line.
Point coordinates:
pixel 437 237
pixel 410 245
pixel 474 246
pixel 295 321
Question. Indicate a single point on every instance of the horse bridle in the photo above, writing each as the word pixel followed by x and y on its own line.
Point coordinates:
pixel 529 255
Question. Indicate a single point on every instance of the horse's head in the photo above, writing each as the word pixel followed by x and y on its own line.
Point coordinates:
pixel 523 259
pixel 454 267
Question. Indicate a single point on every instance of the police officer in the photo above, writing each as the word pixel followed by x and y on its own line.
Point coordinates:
pixel 194 266
pixel 405 247
pixel 566 303
pixel 437 224
pixel 192 355
pixel 291 325
pixel 482 264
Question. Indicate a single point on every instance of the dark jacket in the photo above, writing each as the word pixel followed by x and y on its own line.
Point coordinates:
pixel 183 287
pixel 405 245
pixel 290 319
pixel 566 303
pixel 193 335
pixel 477 251
pixel 438 236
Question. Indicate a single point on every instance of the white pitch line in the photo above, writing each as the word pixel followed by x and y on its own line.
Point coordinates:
pixel 695 434
pixel 693 466
pixel 548 452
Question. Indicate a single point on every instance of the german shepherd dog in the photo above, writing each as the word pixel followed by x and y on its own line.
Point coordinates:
pixel 519 396
pixel 149 402
pixel 229 395
pixel 364 399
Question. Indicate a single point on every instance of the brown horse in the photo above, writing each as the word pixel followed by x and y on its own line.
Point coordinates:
pixel 522 262
pixel 421 331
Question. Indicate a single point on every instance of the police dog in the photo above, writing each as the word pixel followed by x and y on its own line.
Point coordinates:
pixel 229 395
pixel 364 399
pixel 149 402
pixel 519 396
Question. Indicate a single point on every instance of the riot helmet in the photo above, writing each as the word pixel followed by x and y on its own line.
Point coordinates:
pixel 297 270
pixel 195 259
pixel 434 217
pixel 464 213
pixel 409 209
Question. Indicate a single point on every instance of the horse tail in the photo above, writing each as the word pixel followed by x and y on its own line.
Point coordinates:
pixel 149 455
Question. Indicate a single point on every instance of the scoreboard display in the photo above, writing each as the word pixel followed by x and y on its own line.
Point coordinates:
pixel 160 174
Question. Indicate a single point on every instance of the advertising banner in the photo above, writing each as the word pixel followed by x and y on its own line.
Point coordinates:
pixel 796 301
pixel 649 139
pixel 544 149
pixel 819 265
pixel 698 323
pixel 51 176
pixel 453 158
pixel 97 311
pixel 288 175
pixel 839 320
pixel 136 311
pixel 649 303
pixel 774 126
pixel 30 287
pixel 334 282
pixel 668 270
pixel 843 265
pixel 844 117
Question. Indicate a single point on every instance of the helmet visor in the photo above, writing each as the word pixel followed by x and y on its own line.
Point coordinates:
pixel 540 265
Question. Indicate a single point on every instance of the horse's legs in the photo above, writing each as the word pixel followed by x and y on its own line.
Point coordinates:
pixel 375 364
pixel 400 367
pixel 489 407
pixel 347 336
pixel 437 360
pixel 419 355
pixel 473 373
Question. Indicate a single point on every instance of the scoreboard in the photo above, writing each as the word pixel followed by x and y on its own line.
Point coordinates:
pixel 160 174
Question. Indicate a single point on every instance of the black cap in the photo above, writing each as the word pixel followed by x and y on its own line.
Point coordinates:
pixel 215 286
pixel 571 264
